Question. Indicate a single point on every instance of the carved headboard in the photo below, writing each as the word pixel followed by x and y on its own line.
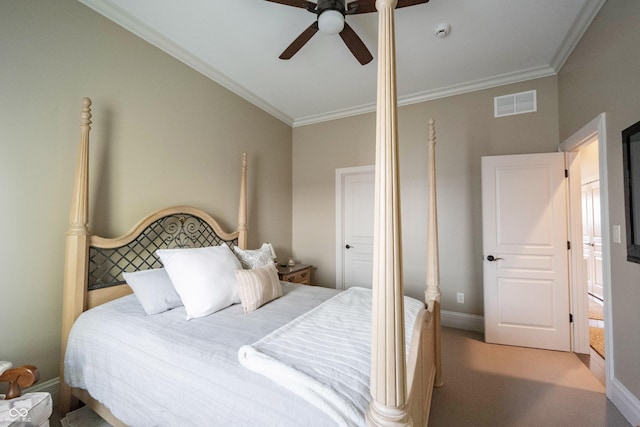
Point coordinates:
pixel 178 227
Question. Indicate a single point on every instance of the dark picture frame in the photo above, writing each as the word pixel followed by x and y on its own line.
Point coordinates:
pixel 631 167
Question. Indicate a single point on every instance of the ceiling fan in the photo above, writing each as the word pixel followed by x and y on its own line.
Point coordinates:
pixel 330 20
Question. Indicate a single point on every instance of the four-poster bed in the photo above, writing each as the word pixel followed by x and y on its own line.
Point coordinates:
pixel 402 374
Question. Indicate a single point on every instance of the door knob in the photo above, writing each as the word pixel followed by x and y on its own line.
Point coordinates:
pixel 492 258
pixel 348 246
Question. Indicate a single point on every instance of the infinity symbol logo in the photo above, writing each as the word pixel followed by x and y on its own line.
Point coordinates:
pixel 18 412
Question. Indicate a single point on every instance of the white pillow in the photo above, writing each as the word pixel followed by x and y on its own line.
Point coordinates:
pixel 154 290
pixel 203 277
pixel 258 286
pixel 252 258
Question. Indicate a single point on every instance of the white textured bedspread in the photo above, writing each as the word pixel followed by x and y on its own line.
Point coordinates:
pixel 324 355
pixel 162 370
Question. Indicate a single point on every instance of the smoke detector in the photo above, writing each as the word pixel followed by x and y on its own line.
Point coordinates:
pixel 442 30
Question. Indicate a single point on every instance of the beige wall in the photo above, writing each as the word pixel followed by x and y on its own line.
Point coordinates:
pixel 466 130
pixel 603 75
pixel 162 135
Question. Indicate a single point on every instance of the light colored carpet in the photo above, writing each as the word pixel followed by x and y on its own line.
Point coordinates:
pixel 596 340
pixel 596 311
pixel 495 385
pixel 596 334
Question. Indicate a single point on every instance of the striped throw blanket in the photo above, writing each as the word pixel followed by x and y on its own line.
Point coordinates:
pixel 324 355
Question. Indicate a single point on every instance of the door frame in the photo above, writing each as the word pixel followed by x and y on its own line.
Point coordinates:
pixel 341 174
pixel 596 128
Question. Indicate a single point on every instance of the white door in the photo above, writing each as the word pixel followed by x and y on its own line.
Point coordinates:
pixel 524 217
pixel 355 248
pixel 592 237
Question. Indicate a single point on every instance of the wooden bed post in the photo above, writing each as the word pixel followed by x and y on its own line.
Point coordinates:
pixel 432 293
pixel 77 251
pixel 242 210
pixel 388 368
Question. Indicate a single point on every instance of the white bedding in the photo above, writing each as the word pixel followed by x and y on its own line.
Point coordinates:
pixel 163 370
pixel 324 355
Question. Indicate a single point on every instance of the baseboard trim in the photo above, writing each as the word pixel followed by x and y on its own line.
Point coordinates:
pixel 625 401
pixel 468 322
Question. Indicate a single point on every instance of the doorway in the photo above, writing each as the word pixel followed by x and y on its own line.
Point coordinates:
pixel 592 254
pixel 589 231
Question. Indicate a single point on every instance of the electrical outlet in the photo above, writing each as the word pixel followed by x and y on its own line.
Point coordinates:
pixel 460 297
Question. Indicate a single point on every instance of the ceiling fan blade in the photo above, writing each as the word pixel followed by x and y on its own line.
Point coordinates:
pixel 302 39
pixel 405 3
pixel 295 3
pixel 368 6
pixel 355 45
pixel 361 6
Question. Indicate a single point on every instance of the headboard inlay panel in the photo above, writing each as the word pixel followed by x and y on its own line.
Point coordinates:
pixel 176 230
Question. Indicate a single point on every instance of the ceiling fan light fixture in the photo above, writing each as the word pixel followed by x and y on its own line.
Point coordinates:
pixel 331 22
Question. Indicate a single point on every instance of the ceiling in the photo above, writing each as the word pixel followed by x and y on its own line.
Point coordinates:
pixel 237 43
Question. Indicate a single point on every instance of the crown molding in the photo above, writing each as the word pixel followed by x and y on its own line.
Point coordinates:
pixel 430 95
pixel 580 25
pixel 140 29
pixel 137 27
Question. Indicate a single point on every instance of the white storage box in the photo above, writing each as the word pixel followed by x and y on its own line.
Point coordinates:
pixel 30 409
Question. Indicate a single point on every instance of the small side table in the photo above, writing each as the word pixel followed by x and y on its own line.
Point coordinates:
pixel 299 273
pixel 30 409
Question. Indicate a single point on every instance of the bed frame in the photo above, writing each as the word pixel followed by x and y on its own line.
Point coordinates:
pixel 401 395
pixel 401 391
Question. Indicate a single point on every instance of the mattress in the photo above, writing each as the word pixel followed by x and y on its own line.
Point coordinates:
pixel 163 370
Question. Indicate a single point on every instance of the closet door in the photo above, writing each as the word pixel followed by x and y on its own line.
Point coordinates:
pixel 354 222
pixel 592 237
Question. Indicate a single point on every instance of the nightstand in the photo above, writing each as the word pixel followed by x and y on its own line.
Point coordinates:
pixel 299 273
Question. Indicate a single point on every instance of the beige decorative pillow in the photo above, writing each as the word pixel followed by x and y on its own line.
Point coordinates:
pixel 258 286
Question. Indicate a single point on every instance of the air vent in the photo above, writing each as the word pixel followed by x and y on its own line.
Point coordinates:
pixel 516 103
